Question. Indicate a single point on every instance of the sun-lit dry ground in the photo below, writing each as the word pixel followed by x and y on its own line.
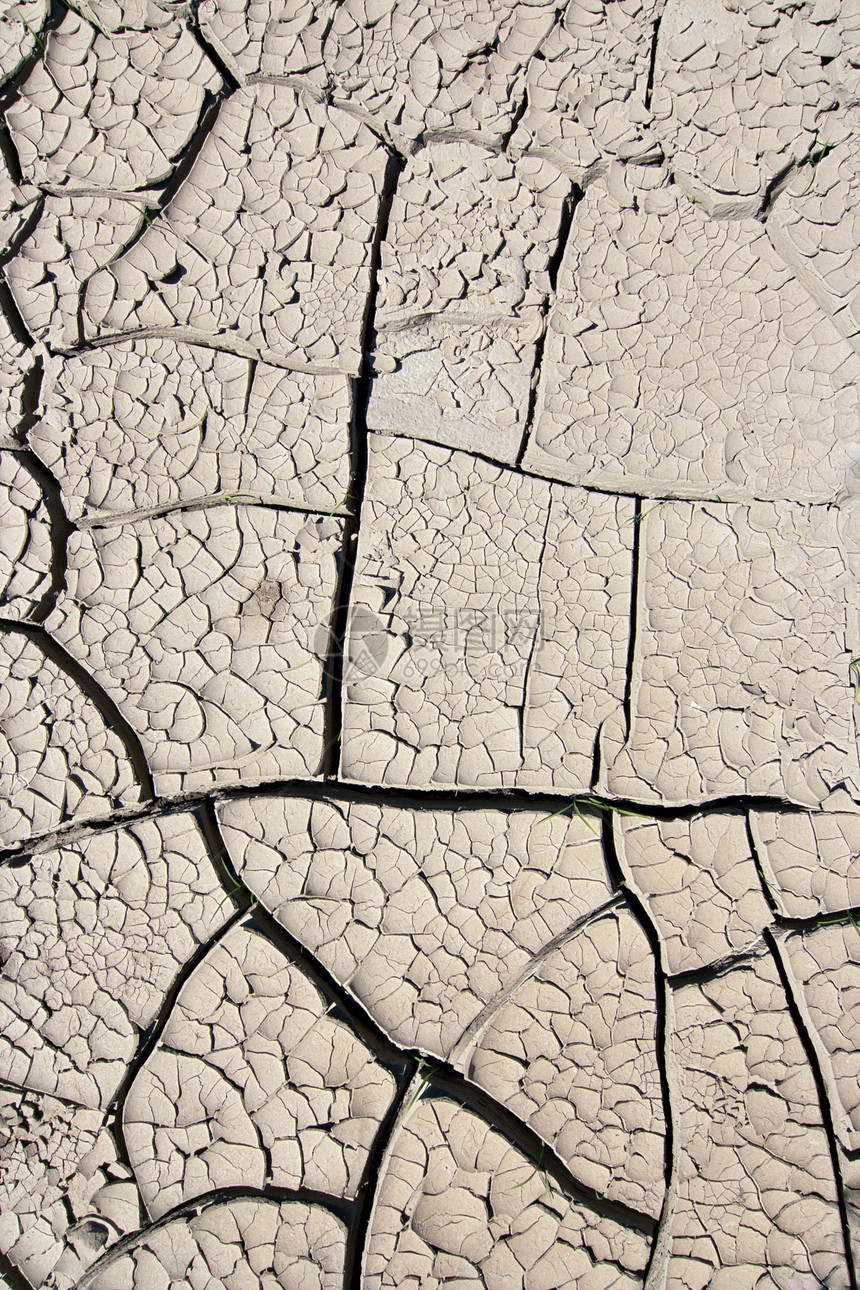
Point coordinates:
pixel 430 644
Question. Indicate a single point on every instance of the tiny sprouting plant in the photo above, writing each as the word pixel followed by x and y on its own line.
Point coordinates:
pixel 44 48
pixel 636 519
pixel 854 673
pixel 350 497
pixel 815 159
pixel 426 1071
pixel 540 1168
pixel 576 802
pixel 232 890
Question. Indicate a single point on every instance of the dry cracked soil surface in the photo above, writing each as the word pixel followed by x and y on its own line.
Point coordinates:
pixel 429 644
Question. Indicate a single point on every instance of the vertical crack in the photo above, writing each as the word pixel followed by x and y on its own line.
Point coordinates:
pixel 655 1276
pixel 652 64
pixel 536 639
pixel 220 856
pixel 636 560
pixel 565 228
pixel 361 386
pixel 61 528
pixel 368 1189
pixel 809 1049
pixel 14 318
pixel 149 1038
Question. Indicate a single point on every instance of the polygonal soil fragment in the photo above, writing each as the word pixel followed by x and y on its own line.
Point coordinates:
pixel 573 1052
pixel 274 38
pixel 253 1082
pixel 265 248
pixel 756 1200
pixel 75 237
pixel 740 680
pixel 64 1194
pixel 460 1205
pixel 424 915
pixel 489 634
pixel 110 110
pixel 824 966
pixel 463 284
pixel 93 936
pixel 149 423
pixel 253 1244
pixel 585 93
pixel 683 356
pixel 208 629
pixel 741 92
pixel 810 861
pixel 59 757
pixel 25 540
pixel 698 881
pixel 409 65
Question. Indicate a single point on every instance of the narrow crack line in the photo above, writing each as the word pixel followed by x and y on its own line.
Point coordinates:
pixel 663 1043
pixel 538 630
pixel 9 89
pixel 206 340
pixel 60 530
pixel 109 711
pixel 27 228
pixel 368 1189
pixel 728 962
pixel 200 1204
pixel 325 94
pixel 361 387
pixel 636 559
pixel 643 492
pixel 783 177
pixel 848 916
pixel 652 64
pixel 150 1037
pixel 411 799
pixel 11 1087
pixel 520 110
pixel 9 153
pixel 760 870
pixel 388 1053
pixel 823 1101
pixel 565 229
pixel 164 194
pixel 31 393
pixel 451 1083
pixel 9 308
pixel 220 856
pixel 207 502
pixel 471 1036
pixel 253 364
pixel 231 84
pixel 13 1275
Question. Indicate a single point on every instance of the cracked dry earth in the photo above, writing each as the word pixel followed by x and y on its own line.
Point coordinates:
pixel 430 579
